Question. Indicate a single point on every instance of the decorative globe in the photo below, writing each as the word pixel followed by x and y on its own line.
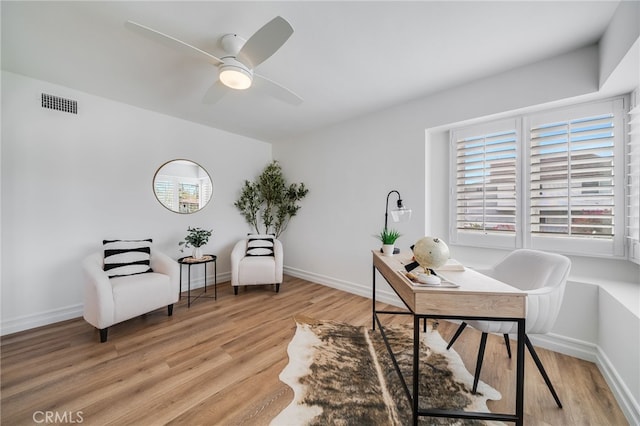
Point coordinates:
pixel 431 252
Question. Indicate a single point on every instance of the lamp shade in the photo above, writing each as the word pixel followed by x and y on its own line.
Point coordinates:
pixel 401 214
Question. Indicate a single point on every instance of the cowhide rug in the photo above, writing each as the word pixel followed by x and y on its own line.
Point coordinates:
pixel 343 375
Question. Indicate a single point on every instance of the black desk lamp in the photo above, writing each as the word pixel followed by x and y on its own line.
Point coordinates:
pixel 399 214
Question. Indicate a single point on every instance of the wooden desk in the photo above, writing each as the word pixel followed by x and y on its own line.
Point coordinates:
pixel 479 297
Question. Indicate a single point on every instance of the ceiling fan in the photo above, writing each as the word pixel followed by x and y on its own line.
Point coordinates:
pixel 236 68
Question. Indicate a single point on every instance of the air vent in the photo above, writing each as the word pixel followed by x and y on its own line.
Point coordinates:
pixel 59 104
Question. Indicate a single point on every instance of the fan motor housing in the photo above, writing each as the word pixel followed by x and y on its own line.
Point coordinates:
pixel 232 43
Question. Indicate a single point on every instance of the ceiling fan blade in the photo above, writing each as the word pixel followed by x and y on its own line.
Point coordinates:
pixel 276 90
pixel 215 93
pixel 265 42
pixel 172 42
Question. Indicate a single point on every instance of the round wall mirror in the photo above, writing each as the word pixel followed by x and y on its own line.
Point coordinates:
pixel 182 186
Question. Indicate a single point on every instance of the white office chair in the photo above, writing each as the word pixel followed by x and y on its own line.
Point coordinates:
pixel 108 301
pixel 257 260
pixel 543 277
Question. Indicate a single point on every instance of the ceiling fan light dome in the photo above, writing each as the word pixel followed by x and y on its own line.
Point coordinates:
pixel 235 77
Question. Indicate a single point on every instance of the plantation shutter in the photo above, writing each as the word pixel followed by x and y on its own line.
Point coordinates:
pixel 573 170
pixel 165 192
pixel 207 189
pixel 633 183
pixel 572 177
pixel 485 183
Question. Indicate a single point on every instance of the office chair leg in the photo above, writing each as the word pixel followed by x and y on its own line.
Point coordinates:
pixel 508 343
pixel 476 377
pixel 534 355
pixel 457 334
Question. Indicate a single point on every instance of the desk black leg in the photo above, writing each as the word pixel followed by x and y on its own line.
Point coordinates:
pixel 416 368
pixel 520 373
pixel 180 290
pixel 373 298
pixel 205 277
pixel 215 280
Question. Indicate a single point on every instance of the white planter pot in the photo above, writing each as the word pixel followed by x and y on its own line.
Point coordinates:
pixel 387 249
pixel 197 253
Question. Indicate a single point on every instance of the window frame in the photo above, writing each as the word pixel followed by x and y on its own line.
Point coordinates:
pixel 486 238
pixel 632 174
pixel 581 245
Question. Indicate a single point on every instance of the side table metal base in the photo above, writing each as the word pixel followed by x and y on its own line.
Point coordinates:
pixel 189 261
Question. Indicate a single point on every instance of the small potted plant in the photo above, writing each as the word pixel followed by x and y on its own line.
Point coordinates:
pixel 196 238
pixel 388 238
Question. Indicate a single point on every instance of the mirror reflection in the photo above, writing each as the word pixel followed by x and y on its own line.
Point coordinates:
pixel 182 186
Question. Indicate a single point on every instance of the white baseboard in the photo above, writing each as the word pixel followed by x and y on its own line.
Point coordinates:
pixel 566 345
pixel 358 289
pixel 554 342
pixel 40 319
pixel 199 282
pixel 27 322
pixel 628 404
pixel 593 353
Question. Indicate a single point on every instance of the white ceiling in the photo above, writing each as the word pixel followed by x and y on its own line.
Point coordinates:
pixel 345 58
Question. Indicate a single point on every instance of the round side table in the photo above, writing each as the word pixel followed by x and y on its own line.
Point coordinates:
pixel 190 261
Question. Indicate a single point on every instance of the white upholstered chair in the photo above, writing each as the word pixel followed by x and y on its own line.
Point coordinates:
pixel 108 301
pixel 256 260
pixel 543 277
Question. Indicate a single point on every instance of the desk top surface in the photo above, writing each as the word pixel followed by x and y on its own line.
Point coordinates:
pixel 477 294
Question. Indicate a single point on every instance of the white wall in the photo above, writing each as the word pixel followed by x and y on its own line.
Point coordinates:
pixel 68 181
pixel 350 167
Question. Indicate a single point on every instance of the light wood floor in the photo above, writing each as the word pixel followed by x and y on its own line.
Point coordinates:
pixel 218 363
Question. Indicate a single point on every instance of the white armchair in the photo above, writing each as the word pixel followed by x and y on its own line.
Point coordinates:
pixel 258 268
pixel 543 276
pixel 108 301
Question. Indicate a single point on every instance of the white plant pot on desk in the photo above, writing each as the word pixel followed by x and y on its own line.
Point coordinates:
pixel 387 249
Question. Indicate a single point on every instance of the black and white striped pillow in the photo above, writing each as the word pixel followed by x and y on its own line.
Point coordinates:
pixel 260 245
pixel 127 257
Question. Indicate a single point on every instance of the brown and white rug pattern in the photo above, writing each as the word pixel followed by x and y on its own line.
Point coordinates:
pixel 342 375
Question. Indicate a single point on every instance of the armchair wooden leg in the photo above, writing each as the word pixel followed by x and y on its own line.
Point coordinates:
pixel 277 287
pixel 476 377
pixel 457 334
pixel 235 290
pixel 534 355
pixel 170 309
pixel 103 334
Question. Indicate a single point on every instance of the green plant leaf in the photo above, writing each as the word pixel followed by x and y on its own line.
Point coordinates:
pixel 388 236
pixel 270 200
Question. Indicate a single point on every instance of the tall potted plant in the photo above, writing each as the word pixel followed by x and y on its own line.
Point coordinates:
pixel 270 201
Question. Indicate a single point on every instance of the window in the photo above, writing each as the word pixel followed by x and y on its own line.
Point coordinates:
pixel 181 194
pixel 188 197
pixel 633 181
pixel 570 197
pixel 163 188
pixel 485 183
